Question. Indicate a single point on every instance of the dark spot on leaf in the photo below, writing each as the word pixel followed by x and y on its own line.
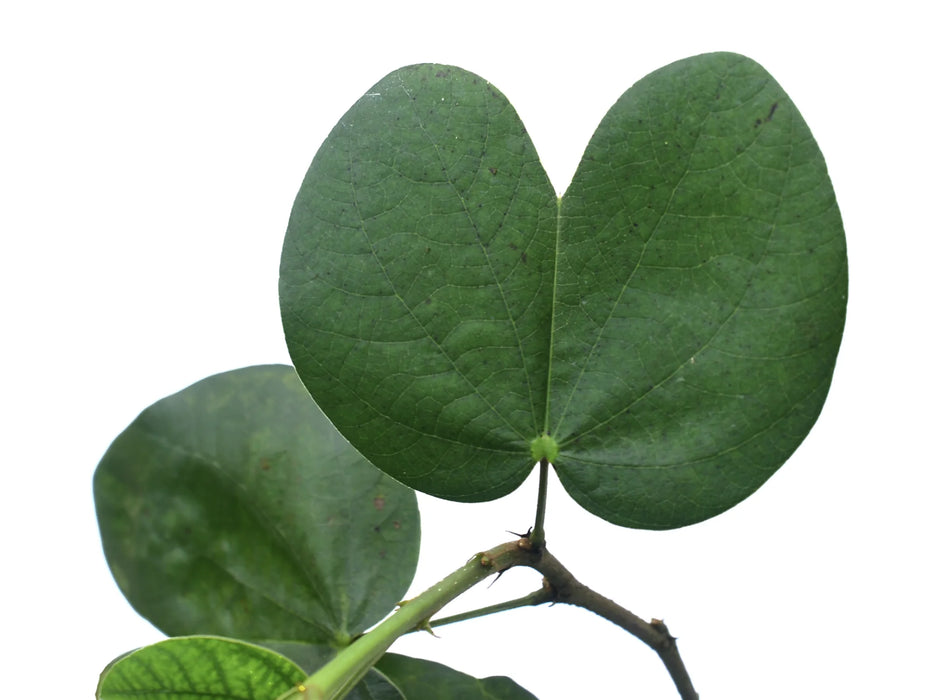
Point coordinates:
pixel 524 257
pixel 442 74
pixel 264 464
pixel 377 528
pixel 513 246
pixel 494 171
pixel 771 113
pixel 428 300
pixel 379 502
pixel 396 524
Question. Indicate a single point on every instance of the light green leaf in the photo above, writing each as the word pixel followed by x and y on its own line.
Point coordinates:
pixel 234 508
pixel 665 333
pixel 419 679
pixel 195 668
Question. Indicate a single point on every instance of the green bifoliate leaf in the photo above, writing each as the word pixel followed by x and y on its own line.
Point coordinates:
pixel 195 668
pixel 419 679
pixel 667 330
pixel 234 508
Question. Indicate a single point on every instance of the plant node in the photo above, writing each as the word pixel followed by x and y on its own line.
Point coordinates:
pixel 544 447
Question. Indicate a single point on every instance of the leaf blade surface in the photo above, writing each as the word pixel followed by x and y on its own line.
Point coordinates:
pixel 415 282
pixel 193 668
pixel 701 292
pixel 420 679
pixel 234 508
pixel 680 308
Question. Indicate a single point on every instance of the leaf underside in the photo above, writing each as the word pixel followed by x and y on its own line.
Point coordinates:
pixel 194 668
pixel 672 321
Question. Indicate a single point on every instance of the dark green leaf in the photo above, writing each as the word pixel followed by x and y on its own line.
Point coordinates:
pixel 672 323
pixel 700 296
pixel 194 668
pixel 375 686
pixel 415 282
pixel 426 680
pixel 235 508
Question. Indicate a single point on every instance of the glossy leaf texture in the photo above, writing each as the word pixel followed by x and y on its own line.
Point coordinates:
pixel 234 508
pixel 672 322
pixel 195 668
pixel 419 679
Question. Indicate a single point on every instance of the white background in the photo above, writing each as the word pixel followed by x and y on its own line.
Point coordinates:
pixel 149 155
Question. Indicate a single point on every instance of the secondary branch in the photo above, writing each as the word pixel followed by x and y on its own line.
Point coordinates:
pixel 338 676
pixel 567 589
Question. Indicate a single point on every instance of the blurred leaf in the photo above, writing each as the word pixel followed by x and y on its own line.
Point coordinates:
pixel 375 686
pixel 672 323
pixel 426 680
pixel 194 668
pixel 234 508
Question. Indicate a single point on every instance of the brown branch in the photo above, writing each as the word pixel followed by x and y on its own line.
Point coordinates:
pixel 655 634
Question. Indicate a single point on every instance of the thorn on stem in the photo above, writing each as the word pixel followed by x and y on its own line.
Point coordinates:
pixel 498 576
